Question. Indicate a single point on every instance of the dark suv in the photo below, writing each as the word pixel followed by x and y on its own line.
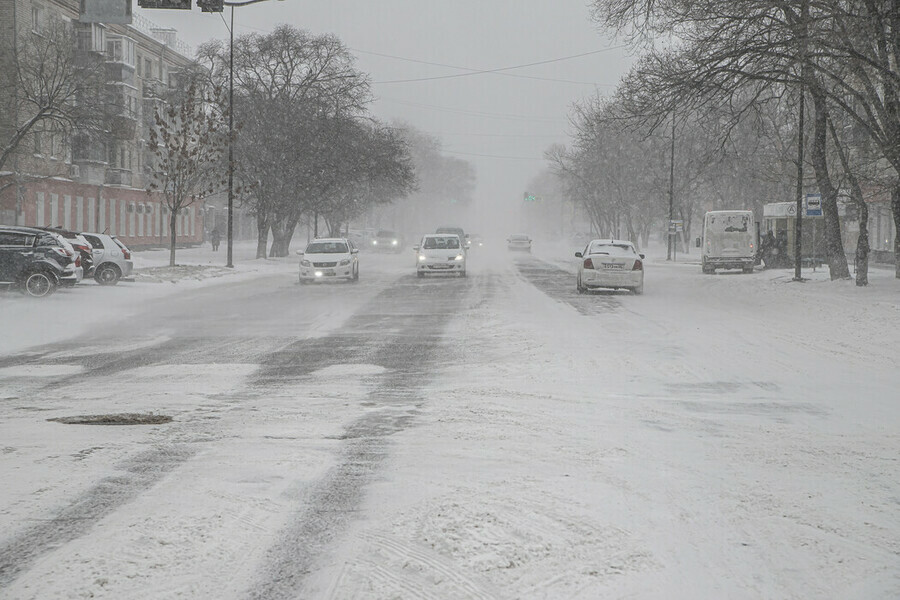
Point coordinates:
pixel 32 260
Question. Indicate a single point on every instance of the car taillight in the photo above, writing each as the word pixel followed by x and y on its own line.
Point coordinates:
pixel 126 253
pixel 77 260
pixel 64 252
pixel 588 263
pixel 638 265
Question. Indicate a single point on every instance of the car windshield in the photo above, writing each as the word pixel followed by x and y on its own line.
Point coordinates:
pixel 385 234
pixel 441 243
pixel 519 238
pixel 613 249
pixel 327 248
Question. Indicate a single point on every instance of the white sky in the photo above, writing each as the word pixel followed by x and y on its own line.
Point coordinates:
pixel 486 114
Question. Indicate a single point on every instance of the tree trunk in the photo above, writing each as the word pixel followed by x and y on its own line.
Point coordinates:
pixel 834 248
pixel 173 219
pixel 262 236
pixel 861 261
pixel 895 210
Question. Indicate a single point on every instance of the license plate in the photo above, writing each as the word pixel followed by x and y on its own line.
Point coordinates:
pixel 608 266
pixel 441 266
pixel 328 273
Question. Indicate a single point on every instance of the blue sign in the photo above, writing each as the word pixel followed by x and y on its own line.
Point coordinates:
pixel 813 205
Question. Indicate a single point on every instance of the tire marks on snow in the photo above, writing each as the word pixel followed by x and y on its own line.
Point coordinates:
pixel 560 285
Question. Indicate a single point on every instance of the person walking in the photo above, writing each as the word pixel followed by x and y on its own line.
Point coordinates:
pixel 215 237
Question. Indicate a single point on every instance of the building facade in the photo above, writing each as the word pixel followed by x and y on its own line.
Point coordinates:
pixel 91 184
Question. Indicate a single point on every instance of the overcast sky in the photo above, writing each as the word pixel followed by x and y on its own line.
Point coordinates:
pixel 500 122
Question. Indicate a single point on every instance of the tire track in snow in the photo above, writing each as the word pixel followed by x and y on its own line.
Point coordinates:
pixel 560 285
pixel 409 319
pixel 139 474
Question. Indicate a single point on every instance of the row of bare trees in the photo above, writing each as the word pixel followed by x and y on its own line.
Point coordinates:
pixel 307 147
pixel 730 74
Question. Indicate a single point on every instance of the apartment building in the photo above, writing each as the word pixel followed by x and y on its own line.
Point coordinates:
pixel 98 184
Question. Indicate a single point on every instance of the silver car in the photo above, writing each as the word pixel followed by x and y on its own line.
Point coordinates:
pixel 112 259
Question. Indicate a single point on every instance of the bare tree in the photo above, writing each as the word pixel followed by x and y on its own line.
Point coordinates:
pixel 188 144
pixel 47 83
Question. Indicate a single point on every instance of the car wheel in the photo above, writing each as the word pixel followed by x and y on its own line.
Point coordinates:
pixel 581 289
pixel 462 273
pixel 748 269
pixel 39 284
pixel 420 273
pixel 107 275
pixel 637 291
pixel 355 276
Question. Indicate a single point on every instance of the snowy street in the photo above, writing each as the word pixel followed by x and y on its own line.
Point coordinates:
pixel 496 436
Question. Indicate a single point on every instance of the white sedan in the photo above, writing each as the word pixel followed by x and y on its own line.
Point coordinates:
pixel 440 253
pixel 610 264
pixel 329 258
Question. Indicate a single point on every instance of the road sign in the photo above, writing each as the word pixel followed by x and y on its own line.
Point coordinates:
pixel 813 205
pixel 676 226
pixel 176 4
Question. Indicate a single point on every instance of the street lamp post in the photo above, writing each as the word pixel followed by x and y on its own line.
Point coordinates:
pixel 230 229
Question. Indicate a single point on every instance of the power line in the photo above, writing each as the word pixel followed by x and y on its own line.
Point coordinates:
pixel 475 113
pixel 476 71
pixel 492 155
pixel 498 70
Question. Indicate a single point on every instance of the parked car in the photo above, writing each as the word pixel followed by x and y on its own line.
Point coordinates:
pixel 475 241
pixel 79 243
pixel 610 264
pixel 387 241
pixel 112 259
pixel 329 258
pixel 77 274
pixel 518 242
pixel 33 260
pixel 463 236
pixel 440 253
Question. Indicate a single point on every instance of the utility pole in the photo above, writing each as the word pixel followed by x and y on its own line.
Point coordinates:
pixel 798 224
pixel 230 228
pixel 669 227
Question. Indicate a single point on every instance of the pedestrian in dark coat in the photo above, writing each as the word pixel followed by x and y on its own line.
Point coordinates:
pixel 215 237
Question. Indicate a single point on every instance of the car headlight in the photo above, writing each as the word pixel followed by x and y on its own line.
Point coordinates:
pixel 423 257
pixel 394 242
pixel 459 257
pixel 345 262
pixel 305 263
pixel 374 242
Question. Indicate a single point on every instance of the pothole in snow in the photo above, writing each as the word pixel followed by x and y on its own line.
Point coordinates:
pixel 115 419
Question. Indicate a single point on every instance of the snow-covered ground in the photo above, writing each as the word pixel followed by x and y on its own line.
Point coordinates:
pixel 728 436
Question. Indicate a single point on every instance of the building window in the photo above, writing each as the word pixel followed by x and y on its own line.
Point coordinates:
pixel 37 142
pixel 36 19
pixel 120 49
pixel 148 68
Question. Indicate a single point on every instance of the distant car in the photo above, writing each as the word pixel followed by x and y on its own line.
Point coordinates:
pixel 463 237
pixel 387 241
pixel 33 260
pixel 611 264
pixel 518 242
pixel 329 258
pixel 475 241
pixel 111 257
pixel 440 253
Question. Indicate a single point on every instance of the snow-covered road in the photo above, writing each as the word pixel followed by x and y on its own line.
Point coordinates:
pixel 500 436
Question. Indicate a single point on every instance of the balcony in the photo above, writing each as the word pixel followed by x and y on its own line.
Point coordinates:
pixel 116 176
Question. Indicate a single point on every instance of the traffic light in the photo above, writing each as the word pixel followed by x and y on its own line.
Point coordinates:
pixel 211 5
pixel 528 197
pixel 176 4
